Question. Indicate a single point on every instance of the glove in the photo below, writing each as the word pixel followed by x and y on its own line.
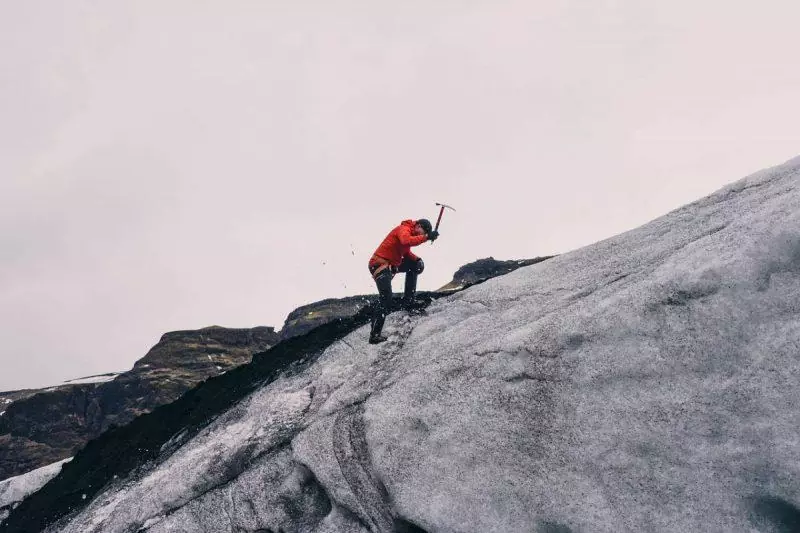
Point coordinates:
pixel 433 235
pixel 420 266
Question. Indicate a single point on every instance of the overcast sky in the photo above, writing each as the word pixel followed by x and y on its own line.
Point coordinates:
pixel 176 164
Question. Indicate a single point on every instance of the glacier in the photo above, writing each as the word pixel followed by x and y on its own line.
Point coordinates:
pixel 648 382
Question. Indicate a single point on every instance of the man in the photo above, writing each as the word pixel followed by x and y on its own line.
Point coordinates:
pixel 392 256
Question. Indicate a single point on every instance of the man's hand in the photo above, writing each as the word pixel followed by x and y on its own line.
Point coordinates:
pixel 420 266
pixel 433 235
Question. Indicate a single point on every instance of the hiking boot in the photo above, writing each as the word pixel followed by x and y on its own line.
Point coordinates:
pixel 377 339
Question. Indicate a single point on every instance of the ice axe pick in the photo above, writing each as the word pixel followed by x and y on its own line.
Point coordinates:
pixel 441 212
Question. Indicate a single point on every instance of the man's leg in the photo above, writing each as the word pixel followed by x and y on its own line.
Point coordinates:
pixel 412 270
pixel 383 305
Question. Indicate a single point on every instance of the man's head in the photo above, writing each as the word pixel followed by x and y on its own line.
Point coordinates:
pixel 422 227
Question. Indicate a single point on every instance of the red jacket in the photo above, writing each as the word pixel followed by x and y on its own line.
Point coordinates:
pixel 398 243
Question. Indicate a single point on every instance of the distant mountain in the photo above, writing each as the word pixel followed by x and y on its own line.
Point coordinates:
pixel 40 427
pixel 647 382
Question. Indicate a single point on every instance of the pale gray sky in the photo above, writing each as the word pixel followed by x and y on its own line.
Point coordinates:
pixel 176 164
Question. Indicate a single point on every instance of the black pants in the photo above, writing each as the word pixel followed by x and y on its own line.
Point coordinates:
pixel 384 283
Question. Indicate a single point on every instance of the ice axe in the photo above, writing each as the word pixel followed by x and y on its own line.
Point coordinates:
pixel 441 212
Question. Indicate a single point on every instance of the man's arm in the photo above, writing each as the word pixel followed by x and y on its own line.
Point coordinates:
pixel 406 239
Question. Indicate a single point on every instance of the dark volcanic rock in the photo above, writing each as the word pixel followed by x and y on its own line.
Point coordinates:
pixel 305 318
pixel 487 268
pixel 42 427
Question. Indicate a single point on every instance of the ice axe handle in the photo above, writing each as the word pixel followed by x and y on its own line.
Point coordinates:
pixel 438 220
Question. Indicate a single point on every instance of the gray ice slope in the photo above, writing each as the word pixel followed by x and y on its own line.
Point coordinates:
pixel 648 382
pixel 15 489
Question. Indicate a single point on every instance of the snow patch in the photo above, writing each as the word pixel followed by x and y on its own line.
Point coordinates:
pixel 15 489
pixel 174 441
pixel 101 378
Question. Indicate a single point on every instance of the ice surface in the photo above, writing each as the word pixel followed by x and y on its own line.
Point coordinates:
pixel 15 489
pixel 645 383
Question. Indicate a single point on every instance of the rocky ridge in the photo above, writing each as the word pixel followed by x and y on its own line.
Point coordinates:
pixel 47 425
pixel 305 318
pixel 487 268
